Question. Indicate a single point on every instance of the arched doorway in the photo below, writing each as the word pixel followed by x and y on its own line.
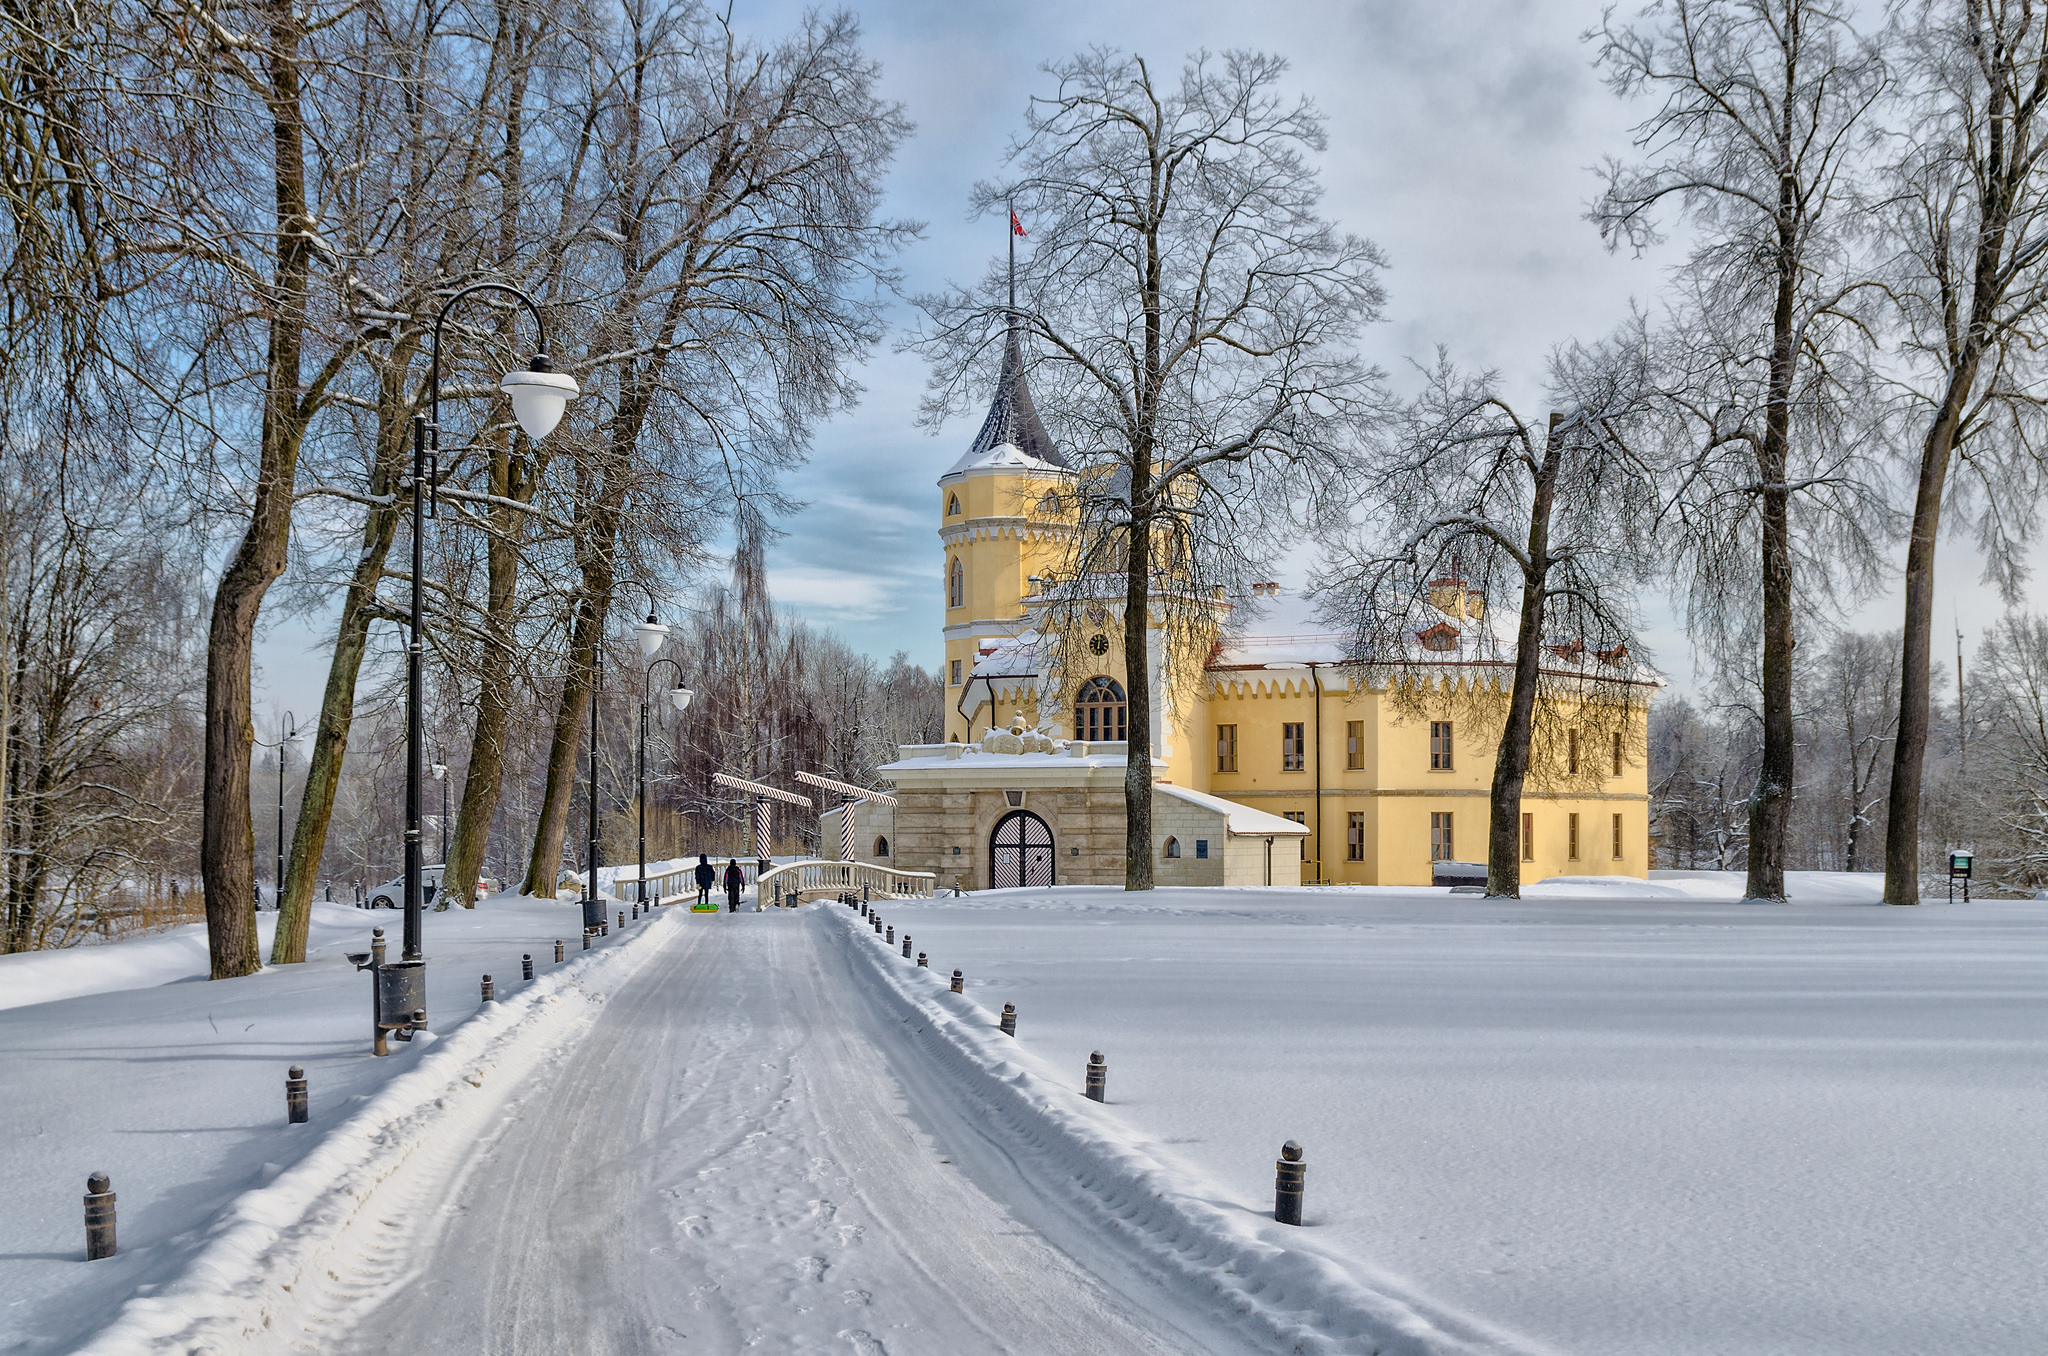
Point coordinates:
pixel 1019 851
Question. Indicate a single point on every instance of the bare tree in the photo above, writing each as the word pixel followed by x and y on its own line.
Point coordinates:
pixel 1472 503
pixel 2014 662
pixel 1762 113
pixel 1853 696
pixel 1192 318
pixel 733 222
pixel 1968 208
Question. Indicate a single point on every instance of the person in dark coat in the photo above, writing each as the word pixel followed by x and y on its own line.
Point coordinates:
pixel 734 879
pixel 707 876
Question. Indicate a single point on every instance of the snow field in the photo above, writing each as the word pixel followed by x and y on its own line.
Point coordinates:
pixel 1285 1294
pixel 176 1090
pixel 1607 1125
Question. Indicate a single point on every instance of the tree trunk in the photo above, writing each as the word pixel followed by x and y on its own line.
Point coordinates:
pixel 1916 646
pixel 1511 762
pixel 484 779
pixel 1770 803
pixel 338 703
pixel 227 841
pixel 1138 696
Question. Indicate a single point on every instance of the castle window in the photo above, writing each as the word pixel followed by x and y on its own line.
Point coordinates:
pixel 1099 709
pixel 1528 837
pixel 953 507
pixel 1354 745
pixel 1571 753
pixel 1201 849
pixel 1226 748
pixel 1617 753
pixel 956 673
pixel 1440 849
pixel 956 584
pixel 881 847
pixel 1439 746
pixel 1300 817
pixel 1293 758
pixel 1354 837
pixel 1172 847
pixel 1571 837
pixel 1617 838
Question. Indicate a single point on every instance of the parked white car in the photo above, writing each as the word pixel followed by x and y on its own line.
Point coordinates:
pixel 391 894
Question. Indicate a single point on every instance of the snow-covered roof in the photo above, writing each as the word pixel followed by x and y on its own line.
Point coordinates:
pixel 1012 437
pixel 1242 819
pixel 1282 632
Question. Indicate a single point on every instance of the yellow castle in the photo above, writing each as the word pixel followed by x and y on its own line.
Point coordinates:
pixel 1275 760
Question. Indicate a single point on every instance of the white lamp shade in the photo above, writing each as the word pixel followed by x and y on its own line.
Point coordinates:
pixel 679 698
pixel 440 771
pixel 651 635
pixel 539 399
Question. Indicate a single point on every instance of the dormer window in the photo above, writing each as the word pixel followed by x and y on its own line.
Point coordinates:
pixel 1439 639
pixel 953 507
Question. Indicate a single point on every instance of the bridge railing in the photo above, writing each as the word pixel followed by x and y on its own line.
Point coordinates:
pixel 816 878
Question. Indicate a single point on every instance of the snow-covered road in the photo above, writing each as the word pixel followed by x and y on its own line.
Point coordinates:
pixel 724 1160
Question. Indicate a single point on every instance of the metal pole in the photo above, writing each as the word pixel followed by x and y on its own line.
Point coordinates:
pixel 593 913
pixel 444 824
pixel 278 903
pixel 415 656
pixel 645 677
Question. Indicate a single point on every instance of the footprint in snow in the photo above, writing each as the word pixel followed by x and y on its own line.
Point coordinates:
pixel 811 1268
pixel 865 1344
pixel 850 1234
pixel 696 1226
pixel 856 1297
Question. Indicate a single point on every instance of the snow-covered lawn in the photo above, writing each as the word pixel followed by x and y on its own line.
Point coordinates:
pixel 176 1087
pixel 1610 1120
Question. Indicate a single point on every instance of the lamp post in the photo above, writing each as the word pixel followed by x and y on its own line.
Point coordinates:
pixel 288 737
pixel 678 696
pixel 440 771
pixel 540 395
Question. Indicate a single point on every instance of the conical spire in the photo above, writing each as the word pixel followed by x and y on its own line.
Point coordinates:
pixel 1011 418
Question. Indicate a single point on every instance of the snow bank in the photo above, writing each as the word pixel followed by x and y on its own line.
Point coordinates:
pixel 134 963
pixel 1270 1275
pixel 277 1239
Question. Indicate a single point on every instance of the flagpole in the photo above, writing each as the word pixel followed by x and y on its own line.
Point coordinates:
pixel 1012 233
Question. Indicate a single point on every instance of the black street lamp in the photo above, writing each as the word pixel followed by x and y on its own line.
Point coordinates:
pixel 678 696
pixel 288 737
pixel 540 395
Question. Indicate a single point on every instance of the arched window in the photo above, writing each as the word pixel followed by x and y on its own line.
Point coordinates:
pixel 956 584
pixel 1099 710
pixel 953 507
pixel 1172 847
pixel 881 847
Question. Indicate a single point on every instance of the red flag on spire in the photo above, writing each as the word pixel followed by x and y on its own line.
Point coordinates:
pixel 1015 224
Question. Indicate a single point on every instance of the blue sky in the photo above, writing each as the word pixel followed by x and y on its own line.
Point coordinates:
pixel 1462 136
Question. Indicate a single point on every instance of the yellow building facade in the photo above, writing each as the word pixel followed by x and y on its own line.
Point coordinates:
pixel 1376 783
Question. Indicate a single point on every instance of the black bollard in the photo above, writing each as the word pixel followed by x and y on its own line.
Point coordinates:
pixel 1289 1175
pixel 558 950
pixel 863 908
pixel 958 982
pixel 99 1217
pixel 1098 1077
pixel 295 1096
pixel 1009 1022
pixel 636 913
pixel 906 946
pixel 891 937
pixel 490 990
pixel 526 967
pixel 920 958
pixel 622 920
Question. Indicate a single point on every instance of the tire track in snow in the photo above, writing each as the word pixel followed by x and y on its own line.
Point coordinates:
pixel 724 1161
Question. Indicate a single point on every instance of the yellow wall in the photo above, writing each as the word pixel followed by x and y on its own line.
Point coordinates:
pixel 1001 537
pixel 1397 790
pixel 1008 537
